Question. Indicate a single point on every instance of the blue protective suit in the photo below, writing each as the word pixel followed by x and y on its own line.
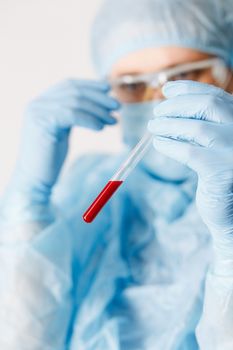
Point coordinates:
pixel 131 280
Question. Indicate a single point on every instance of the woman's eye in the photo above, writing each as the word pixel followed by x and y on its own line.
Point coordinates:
pixel 193 75
pixel 182 76
pixel 134 87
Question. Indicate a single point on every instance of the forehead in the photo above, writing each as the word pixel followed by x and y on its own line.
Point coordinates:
pixel 154 59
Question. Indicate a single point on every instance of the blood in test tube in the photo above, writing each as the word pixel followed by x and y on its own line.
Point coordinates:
pixel 101 200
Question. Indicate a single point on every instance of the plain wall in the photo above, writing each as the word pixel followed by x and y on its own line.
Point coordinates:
pixel 41 43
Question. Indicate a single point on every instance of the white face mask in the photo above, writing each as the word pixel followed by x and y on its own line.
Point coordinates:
pixel 135 117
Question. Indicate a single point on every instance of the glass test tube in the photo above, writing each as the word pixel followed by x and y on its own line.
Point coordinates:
pixel 118 178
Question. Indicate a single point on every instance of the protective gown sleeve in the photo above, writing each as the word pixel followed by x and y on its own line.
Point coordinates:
pixel 43 249
pixel 215 329
pixel 35 285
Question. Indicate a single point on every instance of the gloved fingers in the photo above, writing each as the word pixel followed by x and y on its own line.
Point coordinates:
pixel 72 109
pixel 66 118
pixel 70 118
pixel 72 97
pixel 73 85
pixel 188 87
pixel 203 133
pixel 66 101
pixel 92 84
pixel 89 121
pixel 204 107
pixel 98 97
pixel 188 154
pixel 96 111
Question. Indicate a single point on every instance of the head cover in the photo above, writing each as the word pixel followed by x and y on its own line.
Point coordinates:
pixel 125 26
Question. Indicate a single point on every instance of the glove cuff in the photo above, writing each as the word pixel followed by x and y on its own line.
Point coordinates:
pixel 223 256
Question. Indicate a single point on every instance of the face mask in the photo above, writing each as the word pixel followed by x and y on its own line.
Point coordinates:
pixel 134 118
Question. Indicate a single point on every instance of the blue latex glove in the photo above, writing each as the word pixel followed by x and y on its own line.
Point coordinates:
pixel 195 127
pixel 48 122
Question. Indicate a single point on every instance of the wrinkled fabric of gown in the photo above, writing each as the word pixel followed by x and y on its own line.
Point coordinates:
pixel 142 281
pixel 133 279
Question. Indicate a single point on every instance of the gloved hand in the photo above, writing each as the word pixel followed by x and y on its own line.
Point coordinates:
pixel 195 127
pixel 48 122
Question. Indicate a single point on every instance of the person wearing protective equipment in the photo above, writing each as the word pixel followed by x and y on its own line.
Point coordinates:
pixel 154 270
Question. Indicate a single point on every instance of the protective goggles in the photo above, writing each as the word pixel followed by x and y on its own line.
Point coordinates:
pixel 143 87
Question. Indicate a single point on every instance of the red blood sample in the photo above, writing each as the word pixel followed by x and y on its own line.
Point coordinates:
pixel 101 200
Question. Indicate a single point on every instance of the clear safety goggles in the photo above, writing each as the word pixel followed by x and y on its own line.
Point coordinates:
pixel 143 87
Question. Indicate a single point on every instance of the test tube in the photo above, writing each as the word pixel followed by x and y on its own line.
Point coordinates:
pixel 118 178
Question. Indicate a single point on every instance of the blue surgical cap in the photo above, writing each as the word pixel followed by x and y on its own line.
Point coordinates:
pixel 125 26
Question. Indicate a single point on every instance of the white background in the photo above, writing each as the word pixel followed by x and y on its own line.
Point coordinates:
pixel 42 42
